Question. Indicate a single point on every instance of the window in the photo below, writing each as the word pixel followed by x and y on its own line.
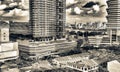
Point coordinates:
pixel 4 38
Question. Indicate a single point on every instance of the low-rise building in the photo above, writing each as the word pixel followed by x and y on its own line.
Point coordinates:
pixel 35 49
pixel 41 49
pixel 73 58
pixel 8 50
pixel 80 62
pixel 86 65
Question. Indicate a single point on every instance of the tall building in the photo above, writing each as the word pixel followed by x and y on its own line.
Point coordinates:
pixel 114 20
pixel 61 18
pixel 47 19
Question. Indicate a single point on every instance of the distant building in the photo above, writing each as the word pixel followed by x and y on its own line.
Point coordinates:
pixel 89 26
pixel 113 25
pixel 113 66
pixel 98 41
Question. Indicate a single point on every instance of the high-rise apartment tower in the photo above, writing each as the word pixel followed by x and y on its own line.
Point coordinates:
pixel 47 19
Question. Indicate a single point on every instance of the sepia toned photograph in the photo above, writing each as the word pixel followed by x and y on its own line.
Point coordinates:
pixel 59 35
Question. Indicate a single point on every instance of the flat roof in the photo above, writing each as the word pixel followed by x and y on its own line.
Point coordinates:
pixel 114 64
pixel 84 63
pixel 37 43
pixel 72 57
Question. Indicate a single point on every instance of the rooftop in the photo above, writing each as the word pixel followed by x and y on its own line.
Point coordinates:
pixel 42 65
pixel 84 63
pixel 39 43
pixel 114 66
pixel 73 57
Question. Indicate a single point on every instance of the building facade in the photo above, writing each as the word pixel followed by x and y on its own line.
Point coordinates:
pixel 8 50
pixel 41 49
pixel 61 18
pixel 47 19
pixel 4 35
pixel 113 25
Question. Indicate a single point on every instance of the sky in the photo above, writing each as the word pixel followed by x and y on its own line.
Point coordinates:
pixel 83 11
pixel 79 11
pixel 15 11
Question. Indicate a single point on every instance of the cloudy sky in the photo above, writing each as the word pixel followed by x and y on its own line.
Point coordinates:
pixel 82 11
pixel 79 11
pixel 14 11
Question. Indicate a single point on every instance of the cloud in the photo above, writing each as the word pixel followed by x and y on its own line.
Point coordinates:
pixel 13 4
pixel 89 4
pixel 80 16
pixel 93 10
pixel 69 10
pixel 96 8
pixel 16 12
pixel 77 10
pixel 3 6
